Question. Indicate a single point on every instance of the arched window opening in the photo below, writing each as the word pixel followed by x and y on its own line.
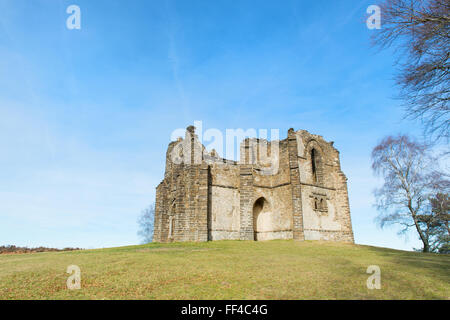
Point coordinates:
pixel 171 226
pixel 314 164
pixel 319 204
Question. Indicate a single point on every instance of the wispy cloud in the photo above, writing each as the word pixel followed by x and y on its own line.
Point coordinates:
pixel 171 27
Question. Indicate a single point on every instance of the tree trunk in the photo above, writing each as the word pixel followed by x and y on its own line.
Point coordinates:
pixel 426 246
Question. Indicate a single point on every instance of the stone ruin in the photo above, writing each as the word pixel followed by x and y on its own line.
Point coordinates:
pixel 300 193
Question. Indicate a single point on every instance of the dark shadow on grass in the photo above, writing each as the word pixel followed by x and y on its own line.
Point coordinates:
pixel 436 264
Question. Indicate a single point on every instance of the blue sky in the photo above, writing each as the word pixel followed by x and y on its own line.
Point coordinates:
pixel 86 115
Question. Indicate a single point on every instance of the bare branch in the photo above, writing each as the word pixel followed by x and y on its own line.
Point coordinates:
pixel 420 31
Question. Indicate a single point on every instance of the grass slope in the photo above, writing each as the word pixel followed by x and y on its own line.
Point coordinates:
pixel 227 270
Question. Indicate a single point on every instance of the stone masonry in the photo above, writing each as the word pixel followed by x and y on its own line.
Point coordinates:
pixel 204 197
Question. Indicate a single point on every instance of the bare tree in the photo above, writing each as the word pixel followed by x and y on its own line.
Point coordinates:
pixel 420 31
pixel 146 221
pixel 411 177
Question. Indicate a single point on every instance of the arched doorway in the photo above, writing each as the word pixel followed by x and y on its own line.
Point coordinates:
pixel 262 218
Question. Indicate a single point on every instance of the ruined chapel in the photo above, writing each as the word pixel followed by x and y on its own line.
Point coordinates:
pixel 299 193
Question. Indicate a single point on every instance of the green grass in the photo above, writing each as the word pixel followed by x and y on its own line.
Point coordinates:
pixel 227 270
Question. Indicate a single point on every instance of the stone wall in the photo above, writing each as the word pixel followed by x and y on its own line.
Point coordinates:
pixel 326 213
pixel 224 202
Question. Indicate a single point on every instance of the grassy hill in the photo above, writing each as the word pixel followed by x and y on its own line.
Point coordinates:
pixel 227 270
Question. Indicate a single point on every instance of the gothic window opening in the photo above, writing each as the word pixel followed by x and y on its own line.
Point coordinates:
pixel 319 204
pixel 314 164
pixel 171 227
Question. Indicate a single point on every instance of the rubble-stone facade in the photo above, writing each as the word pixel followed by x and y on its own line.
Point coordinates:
pixel 288 189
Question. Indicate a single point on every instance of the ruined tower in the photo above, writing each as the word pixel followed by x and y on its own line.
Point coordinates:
pixel 288 189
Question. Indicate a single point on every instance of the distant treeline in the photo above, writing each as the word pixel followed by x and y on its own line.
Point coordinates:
pixel 13 249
